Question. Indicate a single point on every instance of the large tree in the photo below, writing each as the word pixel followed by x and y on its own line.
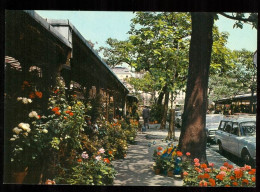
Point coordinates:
pixel 193 136
pixel 157 44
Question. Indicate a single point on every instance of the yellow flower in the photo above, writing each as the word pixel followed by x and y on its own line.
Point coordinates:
pixel 165 150
pixel 69 107
pixel 173 153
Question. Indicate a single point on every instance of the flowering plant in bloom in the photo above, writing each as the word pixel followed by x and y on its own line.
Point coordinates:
pixel 203 175
pixel 168 160
pixel 93 170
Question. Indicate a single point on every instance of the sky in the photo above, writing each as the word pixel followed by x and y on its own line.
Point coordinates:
pixel 98 26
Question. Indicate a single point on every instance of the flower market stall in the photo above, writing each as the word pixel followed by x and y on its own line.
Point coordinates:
pixel 60 125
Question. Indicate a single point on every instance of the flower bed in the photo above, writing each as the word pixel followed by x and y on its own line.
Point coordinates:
pixel 169 161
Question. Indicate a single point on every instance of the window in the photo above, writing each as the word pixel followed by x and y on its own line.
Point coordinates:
pixel 222 125
pixel 228 127
pixel 235 129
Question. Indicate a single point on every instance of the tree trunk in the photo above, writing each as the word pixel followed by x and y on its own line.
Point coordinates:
pixel 193 135
pixel 165 109
pixel 160 97
pixel 171 133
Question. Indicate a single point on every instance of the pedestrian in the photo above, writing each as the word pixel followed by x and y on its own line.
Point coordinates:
pixel 146 115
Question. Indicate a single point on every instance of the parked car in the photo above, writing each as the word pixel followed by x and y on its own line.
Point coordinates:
pixel 212 123
pixel 238 137
pixel 178 118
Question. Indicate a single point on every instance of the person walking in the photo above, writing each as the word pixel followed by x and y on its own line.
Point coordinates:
pixel 146 115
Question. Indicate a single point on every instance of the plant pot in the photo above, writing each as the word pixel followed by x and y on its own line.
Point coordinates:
pixel 170 174
pixel 18 177
pixel 157 171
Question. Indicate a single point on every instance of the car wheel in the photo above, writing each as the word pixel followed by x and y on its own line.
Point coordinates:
pixel 246 158
pixel 220 148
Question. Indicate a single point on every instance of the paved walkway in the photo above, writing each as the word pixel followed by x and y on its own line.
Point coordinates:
pixel 137 168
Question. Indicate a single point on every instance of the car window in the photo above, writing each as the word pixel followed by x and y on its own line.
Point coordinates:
pixel 235 129
pixel 248 128
pixel 228 127
pixel 222 125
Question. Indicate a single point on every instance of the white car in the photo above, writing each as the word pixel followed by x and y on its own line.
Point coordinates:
pixel 212 123
pixel 238 136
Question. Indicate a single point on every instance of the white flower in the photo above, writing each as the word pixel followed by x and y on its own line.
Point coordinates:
pixel 24 126
pixel 102 150
pixel 12 139
pixel 19 98
pixel 17 130
pixel 25 100
pixel 44 117
pixel 29 100
pixel 33 114
pixel 28 130
pixel 15 136
pixel 45 131
pixel 98 158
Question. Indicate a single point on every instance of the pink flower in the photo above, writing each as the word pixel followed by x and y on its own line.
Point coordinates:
pixel 98 158
pixel 222 173
pixel 211 164
pixel 222 168
pixel 197 164
pixel 102 150
pixel 207 169
pixel 203 183
pixel 185 173
pixel 198 169
pixel 247 167
pixel 196 160
pixel 242 168
pixel 188 154
pixel 84 155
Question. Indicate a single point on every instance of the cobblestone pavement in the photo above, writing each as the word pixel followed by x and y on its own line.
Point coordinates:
pixel 136 168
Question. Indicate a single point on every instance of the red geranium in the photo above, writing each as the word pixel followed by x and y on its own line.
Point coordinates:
pixel 212 182
pixel 106 160
pixel 68 111
pixel 245 181
pixel 226 164
pixel 71 114
pixel 38 94
pixel 55 109
pixel 160 148
pixel 204 165
pixel 179 153
pixel 252 172
pixel 220 177
pixel 238 173
pixel 57 113
pixel 32 95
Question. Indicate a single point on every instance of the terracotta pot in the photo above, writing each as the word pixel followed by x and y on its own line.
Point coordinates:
pixel 170 174
pixel 157 171
pixel 18 177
